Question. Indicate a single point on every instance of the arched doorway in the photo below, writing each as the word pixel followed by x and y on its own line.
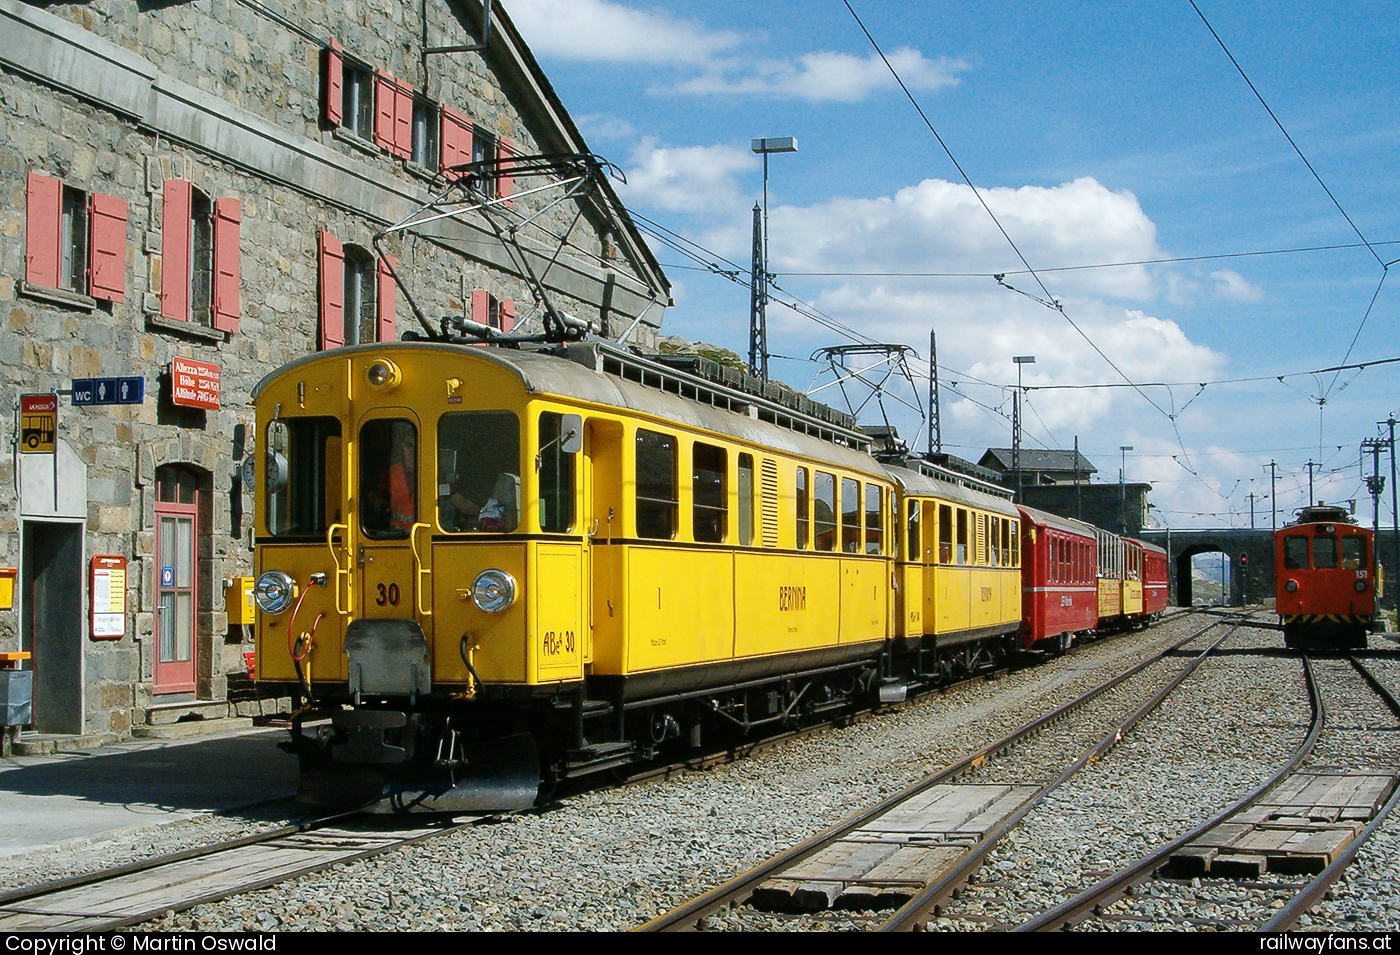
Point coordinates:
pixel 1205 576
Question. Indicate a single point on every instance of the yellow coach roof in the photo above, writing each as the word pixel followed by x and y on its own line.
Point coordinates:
pixel 924 485
pixel 543 374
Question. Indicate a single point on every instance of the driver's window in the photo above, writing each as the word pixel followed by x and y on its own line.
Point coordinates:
pixel 479 472
pixel 388 478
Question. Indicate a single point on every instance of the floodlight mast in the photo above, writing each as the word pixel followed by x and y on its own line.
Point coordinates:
pixel 759 278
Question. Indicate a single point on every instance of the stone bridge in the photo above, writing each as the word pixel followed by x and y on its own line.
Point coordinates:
pixel 1256 582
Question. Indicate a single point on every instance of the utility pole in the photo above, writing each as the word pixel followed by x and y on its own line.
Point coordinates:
pixel 1375 484
pixel 758 297
pixel 935 422
pixel 1020 361
pixel 1394 512
pixel 1123 488
pixel 1251 510
pixel 1077 515
pixel 1311 464
pixel 1273 495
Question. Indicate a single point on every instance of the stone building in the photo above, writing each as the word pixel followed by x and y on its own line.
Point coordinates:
pixel 188 194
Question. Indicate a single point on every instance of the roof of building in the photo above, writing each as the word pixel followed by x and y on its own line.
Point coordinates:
pixel 1038 460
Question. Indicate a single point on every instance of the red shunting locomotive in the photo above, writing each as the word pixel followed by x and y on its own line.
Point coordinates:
pixel 1325 573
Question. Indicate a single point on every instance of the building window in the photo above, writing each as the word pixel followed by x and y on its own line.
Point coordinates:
pixel 360 318
pixel 425 133
pixel 484 154
pixel 200 257
pixel 357 100
pixel 74 240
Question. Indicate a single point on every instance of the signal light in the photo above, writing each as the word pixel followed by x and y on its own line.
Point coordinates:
pixel 1244 560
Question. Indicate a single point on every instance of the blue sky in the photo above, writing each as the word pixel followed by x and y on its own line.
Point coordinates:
pixel 1097 133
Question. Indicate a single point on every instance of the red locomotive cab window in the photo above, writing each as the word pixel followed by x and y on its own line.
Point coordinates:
pixel 1295 552
pixel 1324 553
pixel 1353 553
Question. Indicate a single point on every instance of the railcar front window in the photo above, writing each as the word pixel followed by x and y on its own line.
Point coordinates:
pixel 478 472
pixel 656 485
pixel 556 477
pixel 1295 552
pixel 824 511
pixel 1325 553
pixel 711 492
pixel 802 520
pixel 1353 553
pixel 388 478
pixel 301 460
pixel 850 516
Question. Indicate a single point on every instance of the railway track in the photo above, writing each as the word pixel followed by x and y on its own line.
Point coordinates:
pixel 127 895
pixel 1306 817
pixel 886 856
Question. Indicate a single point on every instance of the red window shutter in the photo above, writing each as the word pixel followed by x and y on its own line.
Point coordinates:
pixel 227 218
pixel 507 314
pixel 505 186
pixel 456 139
pixel 107 248
pixel 175 250
pixel 388 324
pixel 332 256
pixel 384 109
pixel 334 83
pixel 481 306
pixel 403 122
pixel 44 209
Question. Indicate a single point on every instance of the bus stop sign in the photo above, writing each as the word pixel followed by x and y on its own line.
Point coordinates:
pixel 38 423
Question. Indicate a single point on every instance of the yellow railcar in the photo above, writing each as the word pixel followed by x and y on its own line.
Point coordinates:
pixel 959 572
pixel 474 560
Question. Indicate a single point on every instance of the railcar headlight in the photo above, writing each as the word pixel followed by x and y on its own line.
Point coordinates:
pixel 273 591
pixel 383 374
pixel 1361 586
pixel 493 591
pixel 1291 586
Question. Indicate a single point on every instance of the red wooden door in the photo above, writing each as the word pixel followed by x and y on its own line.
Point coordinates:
pixel 176 597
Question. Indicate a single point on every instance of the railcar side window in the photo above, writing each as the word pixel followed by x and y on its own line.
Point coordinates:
pixel 1353 552
pixel 1015 543
pixel 478 471
pixel 824 511
pixel 745 500
pixel 962 536
pixel 1295 552
pixel 850 516
pixel 874 519
pixel 945 534
pixel 302 476
pixel 1324 552
pixel 656 485
pixel 711 492
pixel 802 525
pixel 556 477
pixel 995 550
pixel 388 478
pixel 915 548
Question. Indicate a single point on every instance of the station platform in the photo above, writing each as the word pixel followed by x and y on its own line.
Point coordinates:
pixel 103 792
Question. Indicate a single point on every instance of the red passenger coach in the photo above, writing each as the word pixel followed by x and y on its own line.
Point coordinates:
pixel 1059 596
pixel 1154 578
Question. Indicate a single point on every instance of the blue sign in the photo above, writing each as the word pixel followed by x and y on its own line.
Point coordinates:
pixel 88 392
pixel 167 576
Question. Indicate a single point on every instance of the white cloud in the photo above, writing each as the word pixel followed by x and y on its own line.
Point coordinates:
pixel 697 179
pixel 827 76
pixel 1232 285
pixel 604 127
pixel 599 31
pixel 939 226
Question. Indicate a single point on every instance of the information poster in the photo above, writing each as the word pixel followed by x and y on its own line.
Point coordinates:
pixel 107 596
